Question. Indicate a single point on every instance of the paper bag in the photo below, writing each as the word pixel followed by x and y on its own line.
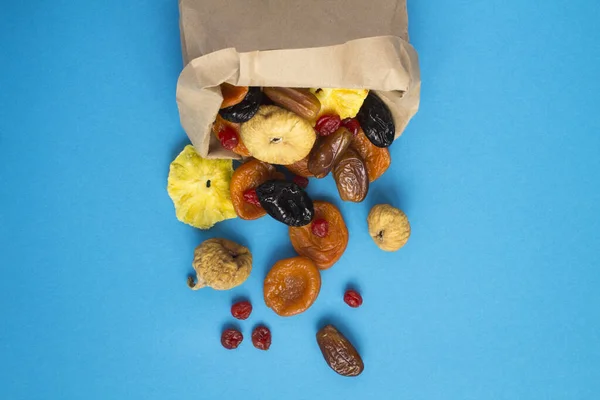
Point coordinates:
pixel 300 43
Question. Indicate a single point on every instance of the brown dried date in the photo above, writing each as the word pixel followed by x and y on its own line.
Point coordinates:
pixel 338 352
pixel 351 177
pixel 328 151
pixel 299 101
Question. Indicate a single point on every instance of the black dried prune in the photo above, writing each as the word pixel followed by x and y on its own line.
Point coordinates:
pixel 286 202
pixel 245 109
pixel 376 120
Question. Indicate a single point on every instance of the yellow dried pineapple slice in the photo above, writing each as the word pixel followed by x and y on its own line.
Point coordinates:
pixel 199 189
pixel 343 102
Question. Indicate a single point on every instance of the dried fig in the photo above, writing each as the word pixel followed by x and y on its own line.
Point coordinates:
pixel 338 352
pixel 351 177
pixel 328 151
pixel 389 227
pixel 220 264
pixel 376 120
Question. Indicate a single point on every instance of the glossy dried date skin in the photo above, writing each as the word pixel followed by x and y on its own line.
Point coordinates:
pixel 286 202
pixel 244 110
pixel 299 101
pixel 376 121
pixel 328 151
pixel 351 177
pixel 339 353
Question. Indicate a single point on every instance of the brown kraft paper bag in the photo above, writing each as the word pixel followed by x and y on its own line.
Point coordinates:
pixel 302 43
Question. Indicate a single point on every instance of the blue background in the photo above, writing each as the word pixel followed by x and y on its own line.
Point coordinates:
pixel 496 295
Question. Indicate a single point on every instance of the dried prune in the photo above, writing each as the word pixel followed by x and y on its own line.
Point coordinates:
pixel 298 101
pixel 376 159
pixel 338 352
pixel 261 338
pixel 327 152
pixel 376 120
pixel 242 187
pixel 351 177
pixel 245 109
pixel 286 202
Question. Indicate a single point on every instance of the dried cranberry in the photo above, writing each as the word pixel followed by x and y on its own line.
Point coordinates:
pixel 320 228
pixel 251 197
pixel 241 309
pixel 231 338
pixel 353 298
pixel 351 124
pixel 261 338
pixel 301 181
pixel 328 124
pixel 229 138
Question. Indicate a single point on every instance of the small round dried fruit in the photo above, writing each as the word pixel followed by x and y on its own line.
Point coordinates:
pixel 353 298
pixel 245 109
pixel 261 338
pixel 229 138
pixel 251 197
pixel 286 202
pixel 352 125
pixel 389 227
pixel 292 286
pixel 327 124
pixel 320 227
pixel 301 181
pixel 231 338
pixel 241 310
pixel 221 125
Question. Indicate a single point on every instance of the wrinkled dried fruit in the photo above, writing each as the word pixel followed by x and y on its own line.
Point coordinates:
pixel 286 202
pixel 327 124
pixel 199 189
pixel 328 151
pixel 245 109
pixel 261 338
pixel 353 298
pixel 231 338
pixel 229 138
pixel 389 227
pixel 351 177
pixel 376 120
pixel 243 185
pixel 301 181
pixel 241 310
pixel 320 227
pixel 338 352
pixel 298 101
pixel 292 286
pixel 300 168
pixel 232 95
pixel 221 126
pixel 352 125
pixel 377 160
pixel 324 251
pixel 220 264
pixel 278 136
pixel 343 102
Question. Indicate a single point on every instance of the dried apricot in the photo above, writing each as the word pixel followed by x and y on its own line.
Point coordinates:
pixel 222 128
pixel 377 159
pixel 232 95
pixel 292 286
pixel 246 177
pixel 327 250
pixel 300 168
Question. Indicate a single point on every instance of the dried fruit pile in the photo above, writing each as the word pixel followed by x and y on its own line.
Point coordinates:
pixel 311 133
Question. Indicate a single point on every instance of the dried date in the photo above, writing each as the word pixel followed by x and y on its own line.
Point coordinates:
pixel 351 177
pixel 338 352
pixel 328 151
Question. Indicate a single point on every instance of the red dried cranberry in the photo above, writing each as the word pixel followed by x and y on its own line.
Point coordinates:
pixel 228 138
pixel 231 338
pixel 351 124
pixel 320 228
pixel 301 181
pixel 328 124
pixel 251 197
pixel 353 298
pixel 261 338
pixel 241 309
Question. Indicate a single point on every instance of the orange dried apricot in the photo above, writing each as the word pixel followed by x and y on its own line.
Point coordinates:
pixel 323 250
pixel 292 286
pixel 232 95
pixel 221 125
pixel 377 159
pixel 300 168
pixel 246 177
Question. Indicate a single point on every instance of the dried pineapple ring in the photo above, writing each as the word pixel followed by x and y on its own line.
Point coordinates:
pixel 344 102
pixel 199 189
